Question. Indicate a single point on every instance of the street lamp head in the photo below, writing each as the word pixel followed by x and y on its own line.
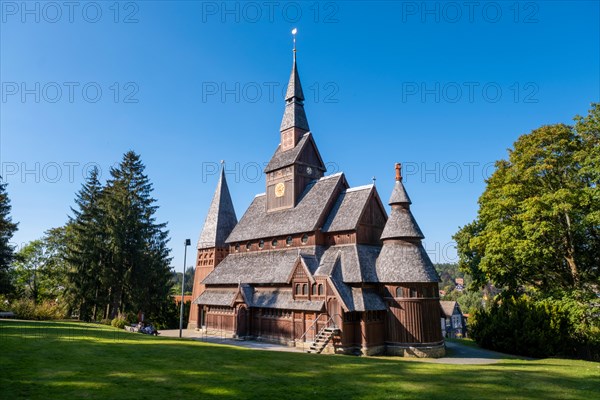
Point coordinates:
pixel 188 242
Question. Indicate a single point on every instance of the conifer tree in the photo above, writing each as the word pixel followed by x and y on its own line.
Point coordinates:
pixel 7 229
pixel 138 257
pixel 86 238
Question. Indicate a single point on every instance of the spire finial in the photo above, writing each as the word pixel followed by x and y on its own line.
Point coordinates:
pixel 374 179
pixel 294 31
pixel 398 172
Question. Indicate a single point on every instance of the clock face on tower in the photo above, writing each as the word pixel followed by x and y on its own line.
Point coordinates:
pixel 279 189
pixel 309 170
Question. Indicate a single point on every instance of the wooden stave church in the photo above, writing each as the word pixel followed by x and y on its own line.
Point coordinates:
pixel 312 253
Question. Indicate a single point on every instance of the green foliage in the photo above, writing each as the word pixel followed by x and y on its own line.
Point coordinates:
pixel 7 229
pixel 117 252
pixel 39 271
pixel 520 325
pixel 537 233
pixel 119 322
pixel 106 321
pixel 47 310
pixel 537 223
pixel 86 252
pixel 189 281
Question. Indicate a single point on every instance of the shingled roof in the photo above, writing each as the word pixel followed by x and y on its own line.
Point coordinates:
pixel 307 216
pixel 221 218
pixel 282 299
pixel 217 297
pixel 282 159
pixel 448 307
pixel 347 210
pixel 294 115
pixel 356 262
pixel 258 267
pixel 353 298
pixel 399 195
pixel 401 224
pixel 401 261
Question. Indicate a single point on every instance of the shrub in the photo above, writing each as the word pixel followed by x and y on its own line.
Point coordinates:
pixel 542 328
pixel 106 321
pixel 119 322
pixel 27 309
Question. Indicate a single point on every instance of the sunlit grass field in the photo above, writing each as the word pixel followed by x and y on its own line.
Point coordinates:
pixel 68 360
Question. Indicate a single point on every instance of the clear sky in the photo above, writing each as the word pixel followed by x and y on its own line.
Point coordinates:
pixel 444 87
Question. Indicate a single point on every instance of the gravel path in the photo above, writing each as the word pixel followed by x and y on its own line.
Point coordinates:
pixel 457 353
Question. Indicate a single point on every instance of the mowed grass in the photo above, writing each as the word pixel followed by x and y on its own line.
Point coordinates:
pixel 63 360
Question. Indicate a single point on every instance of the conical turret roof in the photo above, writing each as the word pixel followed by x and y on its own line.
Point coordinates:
pixel 221 218
pixel 402 257
pixel 294 114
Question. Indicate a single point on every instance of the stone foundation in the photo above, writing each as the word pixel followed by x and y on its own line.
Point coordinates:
pixel 433 351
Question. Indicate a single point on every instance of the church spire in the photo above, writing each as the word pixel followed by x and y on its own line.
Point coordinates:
pixel 221 218
pixel 294 123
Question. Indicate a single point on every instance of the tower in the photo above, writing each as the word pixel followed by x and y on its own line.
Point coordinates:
pixel 219 223
pixel 411 282
pixel 296 161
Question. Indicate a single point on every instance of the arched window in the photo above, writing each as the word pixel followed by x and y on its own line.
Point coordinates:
pixel 305 289
pixel 399 292
pixel 297 288
pixel 304 239
pixel 320 289
pixel 261 244
pixel 288 241
pixel 274 243
pixel 248 246
pixel 237 247
pixel 314 288
pixel 413 292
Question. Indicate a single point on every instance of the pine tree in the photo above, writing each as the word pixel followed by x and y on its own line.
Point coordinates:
pixel 86 238
pixel 7 229
pixel 138 257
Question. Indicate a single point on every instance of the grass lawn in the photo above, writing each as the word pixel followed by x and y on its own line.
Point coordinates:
pixel 64 360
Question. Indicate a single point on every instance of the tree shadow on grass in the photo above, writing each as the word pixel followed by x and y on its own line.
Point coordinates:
pixel 147 367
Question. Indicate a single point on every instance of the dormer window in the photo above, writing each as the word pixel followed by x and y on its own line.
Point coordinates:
pixel 237 247
pixel 305 289
pixel 248 246
pixel 274 243
pixel 288 241
pixel 304 239
pixel 399 292
pixel 321 289
pixel 261 244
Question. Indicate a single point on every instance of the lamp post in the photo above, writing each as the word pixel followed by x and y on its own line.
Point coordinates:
pixel 186 244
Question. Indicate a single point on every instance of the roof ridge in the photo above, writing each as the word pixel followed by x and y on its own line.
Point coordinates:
pixel 357 188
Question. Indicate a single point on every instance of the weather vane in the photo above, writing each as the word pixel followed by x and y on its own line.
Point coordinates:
pixel 294 31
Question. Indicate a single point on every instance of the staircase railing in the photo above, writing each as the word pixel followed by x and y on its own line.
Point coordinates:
pixel 312 326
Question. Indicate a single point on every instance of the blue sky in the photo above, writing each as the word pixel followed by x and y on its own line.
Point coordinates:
pixel 444 87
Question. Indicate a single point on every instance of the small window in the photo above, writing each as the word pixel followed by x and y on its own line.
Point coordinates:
pixel 305 289
pixel 399 292
pixel 426 292
pixel 304 238
pixel 314 289
pixel 274 243
pixel 288 241
pixel 297 288
pixel 237 247
pixel 248 246
pixel 261 244
pixel 320 289
pixel 413 292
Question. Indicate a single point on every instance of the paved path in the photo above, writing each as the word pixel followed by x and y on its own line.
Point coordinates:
pixel 457 353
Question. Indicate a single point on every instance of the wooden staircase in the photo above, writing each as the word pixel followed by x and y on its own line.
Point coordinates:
pixel 322 338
